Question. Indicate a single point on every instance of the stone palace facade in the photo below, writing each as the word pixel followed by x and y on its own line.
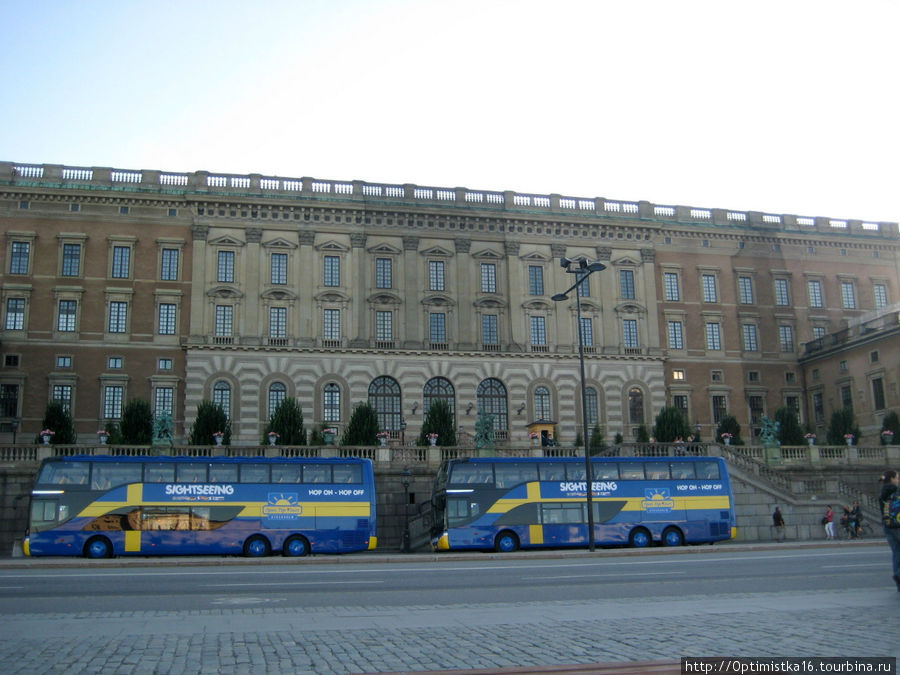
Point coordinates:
pixel 179 287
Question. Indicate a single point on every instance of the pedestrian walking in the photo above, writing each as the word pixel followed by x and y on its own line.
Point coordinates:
pixel 889 483
pixel 778 524
pixel 828 522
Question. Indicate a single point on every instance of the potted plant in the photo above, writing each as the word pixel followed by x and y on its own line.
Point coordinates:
pixel 383 437
pixel 46 434
pixel 218 436
pixel 329 434
pixel 726 438
pixel 273 438
pixel 810 438
pixel 533 435
pixel 887 436
pixel 102 436
pixel 432 438
pixel 848 439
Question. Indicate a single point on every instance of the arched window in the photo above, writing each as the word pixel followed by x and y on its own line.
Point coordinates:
pixel 222 396
pixel 592 404
pixel 542 403
pixel 439 388
pixel 635 406
pixel 384 397
pixel 331 402
pixel 491 397
pixel 277 393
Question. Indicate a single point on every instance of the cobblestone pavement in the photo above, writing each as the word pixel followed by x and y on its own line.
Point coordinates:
pixel 269 639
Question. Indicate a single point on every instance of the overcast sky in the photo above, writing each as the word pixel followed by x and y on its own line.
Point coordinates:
pixel 782 106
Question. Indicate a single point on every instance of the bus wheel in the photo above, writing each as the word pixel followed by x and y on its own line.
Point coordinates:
pixel 672 537
pixel 639 538
pixel 506 542
pixel 256 547
pixel 296 546
pixel 98 547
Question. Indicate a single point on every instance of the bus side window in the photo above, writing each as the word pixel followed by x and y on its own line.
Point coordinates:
pixel 682 470
pixel 552 471
pixel 631 470
pixel 347 474
pixel 708 470
pixel 223 473
pixel 316 473
pixel 657 470
pixel 254 473
pixel 190 473
pixel 575 472
pixel 605 470
pixel 159 473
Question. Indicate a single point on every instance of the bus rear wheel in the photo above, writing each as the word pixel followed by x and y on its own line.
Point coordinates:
pixel 506 542
pixel 296 546
pixel 639 538
pixel 672 537
pixel 98 547
pixel 256 547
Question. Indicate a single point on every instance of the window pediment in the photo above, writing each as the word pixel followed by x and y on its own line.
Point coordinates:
pixel 332 246
pixel 630 308
pixel 332 296
pixel 488 254
pixel 490 302
pixel 384 299
pixel 226 241
pixel 384 249
pixel 224 292
pixel 536 305
pixel 279 243
pixel 535 256
pixel 438 299
pixel 436 252
pixel 626 262
pixel 278 294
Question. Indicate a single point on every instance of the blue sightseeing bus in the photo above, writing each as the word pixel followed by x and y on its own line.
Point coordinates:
pixel 505 504
pixel 103 506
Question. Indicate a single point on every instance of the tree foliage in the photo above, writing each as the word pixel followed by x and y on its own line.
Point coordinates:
pixel 643 436
pixel 210 419
pixel 842 422
pixel 598 443
pixel 670 424
pixel 362 427
pixel 287 422
pixel 729 425
pixel 137 423
pixel 59 421
pixel 439 420
pixel 789 432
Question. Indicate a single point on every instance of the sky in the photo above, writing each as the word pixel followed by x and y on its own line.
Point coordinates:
pixel 775 106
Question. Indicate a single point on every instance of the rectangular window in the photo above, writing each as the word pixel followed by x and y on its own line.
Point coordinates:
pixel 489 329
pixel 224 320
pixel 745 290
pixel 678 375
pixel 112 402
pixel 881 300
pixel 118 317
pixel 818 407
pixel 168 269
pixel 332 270
pixel 163 401
pixel 878 393
pixel 786 338
pixel 63 394
pixel 332 403
pixel 331 327
pixel 437 327
pixel 584 288
pixel 680 401
pixel 710 292
pixel 19 255
pixel 848 295
pixel 676 335
pixel 384 273
pixel 782 293
pixel 847 397
pixel 719 408
pixel 278 322
pixel 121 265
pixel 114 363
pixel 818 332
pixel 538 330
pixel 436 275
pixel 71 261
pixel 166 322
pixel 713 336
pixel 63 361
pixel 66 320
pixel 164 364
pixel 672 286
pixel 587 332
pixel 535 280
pixel 225 267
pixel 792 402
pixel 15 314
pixel 751 338
pixel 278 272
pixel 626 284
pixel 757 409
pixel 488 278
pixel 814 288
pixel 384 325
pixel 630 334
pixel 9 400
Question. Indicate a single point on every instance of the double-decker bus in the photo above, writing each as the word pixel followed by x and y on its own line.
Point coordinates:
pixel 508 503
pixel 104 506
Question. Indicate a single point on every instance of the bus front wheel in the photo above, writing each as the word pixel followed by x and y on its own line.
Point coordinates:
pixel 296 546
pixel 639 538
pixel 506 542
pixel 672 537
pixel 256 547
pixel 98 547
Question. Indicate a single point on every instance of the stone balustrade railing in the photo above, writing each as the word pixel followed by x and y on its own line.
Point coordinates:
pixel 222 185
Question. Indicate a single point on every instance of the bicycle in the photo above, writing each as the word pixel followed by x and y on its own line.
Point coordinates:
pixel 845 531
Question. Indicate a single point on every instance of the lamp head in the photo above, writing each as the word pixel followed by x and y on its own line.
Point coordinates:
pixel 559 296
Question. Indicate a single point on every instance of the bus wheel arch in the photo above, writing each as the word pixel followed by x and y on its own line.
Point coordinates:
pixel 296 546
pixel 257 546
pixel 98 547
pixel 506 542
pixel 640 537
pixel 672 536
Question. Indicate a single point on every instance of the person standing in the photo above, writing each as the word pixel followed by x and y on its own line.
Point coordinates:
pixel 828 520
pixel 889 486
pixel 778 524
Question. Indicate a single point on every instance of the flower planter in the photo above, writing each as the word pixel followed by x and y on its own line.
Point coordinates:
pixel 46 439
pixel 272 440
pixel 218 440
pixel 102 438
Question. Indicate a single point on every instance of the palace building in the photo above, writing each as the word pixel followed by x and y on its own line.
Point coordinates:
pixel 180 287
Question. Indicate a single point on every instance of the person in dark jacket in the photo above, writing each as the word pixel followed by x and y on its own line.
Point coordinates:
pixel 778 524
pixel 889 482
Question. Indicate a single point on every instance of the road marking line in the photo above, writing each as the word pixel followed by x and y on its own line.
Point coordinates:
pixel 295 583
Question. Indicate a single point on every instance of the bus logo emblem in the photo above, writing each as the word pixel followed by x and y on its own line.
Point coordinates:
pixel 657 500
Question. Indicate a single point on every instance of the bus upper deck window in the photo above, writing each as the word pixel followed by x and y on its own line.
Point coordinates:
pixel 316 473
pixel 254 473
pixel 159 473
pixel 605 470
pixel 350 473
pixel 631 470
pixel 552 471
pixel 683 470
pixel 286 473
pixel 657 470
pixel 223 473
pixel 190 473
pixel 708 470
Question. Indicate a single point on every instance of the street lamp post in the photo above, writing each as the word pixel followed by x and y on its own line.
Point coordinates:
pixel 405 480
pixel 586 269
